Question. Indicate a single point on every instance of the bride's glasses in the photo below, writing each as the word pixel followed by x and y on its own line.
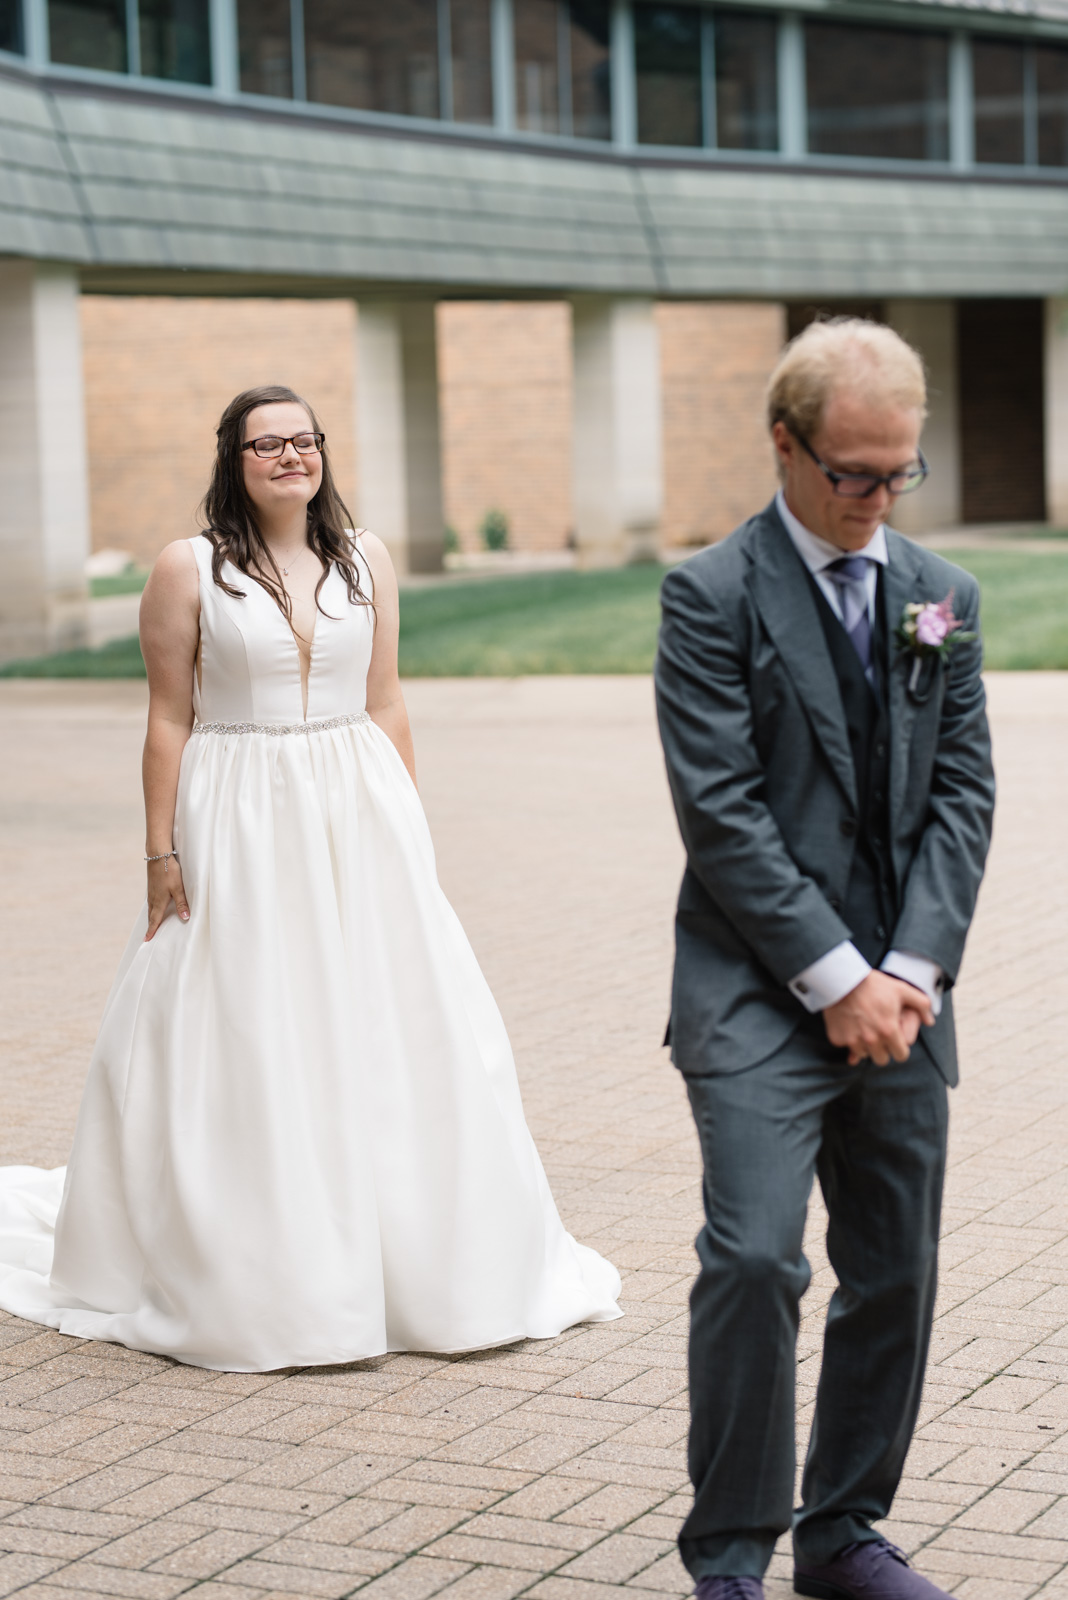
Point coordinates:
pixel 268 445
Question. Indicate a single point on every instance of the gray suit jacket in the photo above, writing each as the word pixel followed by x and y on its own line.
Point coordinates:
pixel 761 773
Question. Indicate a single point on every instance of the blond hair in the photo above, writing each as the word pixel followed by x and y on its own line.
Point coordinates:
pixel 843 353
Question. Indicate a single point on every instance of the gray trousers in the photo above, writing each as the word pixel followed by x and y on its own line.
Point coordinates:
pixel 877 1139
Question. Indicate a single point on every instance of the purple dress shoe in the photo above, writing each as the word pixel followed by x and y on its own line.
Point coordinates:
pixel 875 1570
pixel 729 1589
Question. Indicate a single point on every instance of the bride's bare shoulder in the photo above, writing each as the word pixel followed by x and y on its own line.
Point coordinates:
pixel 371 545
pixel 174 579
pixel 377 557
pixel 175 560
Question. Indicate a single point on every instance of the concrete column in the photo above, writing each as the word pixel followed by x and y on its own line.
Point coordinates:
pixel 617 472
pixel 44 507
pixel 930 326
pixel 1056 422
pixel 398 434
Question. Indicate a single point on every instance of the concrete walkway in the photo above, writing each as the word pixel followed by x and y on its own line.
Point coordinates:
pixel 553 1469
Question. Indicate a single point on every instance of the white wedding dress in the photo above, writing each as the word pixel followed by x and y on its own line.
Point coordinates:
pixel 301 1139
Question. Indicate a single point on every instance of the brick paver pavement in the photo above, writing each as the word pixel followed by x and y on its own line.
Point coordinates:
pixel 551 1469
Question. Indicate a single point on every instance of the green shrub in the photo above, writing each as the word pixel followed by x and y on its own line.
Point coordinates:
pixel 450 540
pixel 495 530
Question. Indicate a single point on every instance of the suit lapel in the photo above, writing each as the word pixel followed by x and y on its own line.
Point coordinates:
pixel 784 598
pixel 899 587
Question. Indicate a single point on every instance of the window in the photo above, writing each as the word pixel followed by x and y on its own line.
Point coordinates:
pixel 540 41
pixel 265 47
pixel 998 70
pixel 471 56
pixel 373 57
pixel 591 69
pixel 88 33
pixel 747 81
pixel 707 78
pixel 877 92
pixel 175 39
pixel 412 58
pixel 562 69
pixel 667 59
pixel 1051 105
pixel 11 26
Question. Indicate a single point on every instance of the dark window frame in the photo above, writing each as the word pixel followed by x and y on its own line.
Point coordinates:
pixel 1034 54
pixel 933 113
pixel 711 21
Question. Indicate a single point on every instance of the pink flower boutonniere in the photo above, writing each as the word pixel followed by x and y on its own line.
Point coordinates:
pixel 929 628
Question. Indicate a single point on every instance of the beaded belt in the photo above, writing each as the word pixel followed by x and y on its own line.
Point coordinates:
pixel 276 728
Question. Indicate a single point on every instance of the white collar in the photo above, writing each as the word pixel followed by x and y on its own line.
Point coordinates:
pixel 816 553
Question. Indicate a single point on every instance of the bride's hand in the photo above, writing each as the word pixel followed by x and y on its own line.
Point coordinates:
pixel 163 888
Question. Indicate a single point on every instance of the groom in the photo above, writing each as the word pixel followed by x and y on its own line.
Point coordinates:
pixel 833 786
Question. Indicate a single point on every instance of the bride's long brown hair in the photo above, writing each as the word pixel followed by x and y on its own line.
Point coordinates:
pixel 231 516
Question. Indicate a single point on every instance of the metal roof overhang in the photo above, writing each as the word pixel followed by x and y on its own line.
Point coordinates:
pixel 148 191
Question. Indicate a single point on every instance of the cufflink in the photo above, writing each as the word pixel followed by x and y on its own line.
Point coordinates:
pixel 800 988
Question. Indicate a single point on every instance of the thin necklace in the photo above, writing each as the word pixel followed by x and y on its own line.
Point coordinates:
pixel 292 558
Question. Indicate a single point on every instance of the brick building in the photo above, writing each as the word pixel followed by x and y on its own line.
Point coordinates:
pixel 505 380
pixel 528 255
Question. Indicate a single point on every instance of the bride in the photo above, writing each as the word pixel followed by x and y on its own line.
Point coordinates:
pixel 301 1139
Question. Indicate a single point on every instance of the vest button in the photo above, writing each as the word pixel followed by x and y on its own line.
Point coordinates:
pixel 848 826
pixel 880 750
pixel 880 931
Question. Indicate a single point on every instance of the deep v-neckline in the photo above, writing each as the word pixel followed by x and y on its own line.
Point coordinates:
pixel 305 684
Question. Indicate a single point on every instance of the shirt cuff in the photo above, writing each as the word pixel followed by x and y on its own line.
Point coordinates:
pixel 831 978
pixel 921 972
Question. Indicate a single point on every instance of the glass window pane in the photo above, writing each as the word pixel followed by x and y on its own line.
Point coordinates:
pixel 265 47
pixel 373 57
pixel 998 80
pixel 877 92
pixel 472 63
pixel 538 30
pixel 667 59
pixel 88 33
pixel 1051 86
pixel 175 40
pixel 11 26
pixel 747 82
pixel 591 69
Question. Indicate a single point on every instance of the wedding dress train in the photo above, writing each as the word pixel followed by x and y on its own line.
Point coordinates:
pixel 301 1140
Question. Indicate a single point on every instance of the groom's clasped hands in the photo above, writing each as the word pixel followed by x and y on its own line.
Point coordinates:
pixel 878 1020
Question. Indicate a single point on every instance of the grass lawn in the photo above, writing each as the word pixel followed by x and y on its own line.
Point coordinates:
pixel 538 623
pixel 131 582
pixel 562 622
pixel 1025 607
pixel 122 659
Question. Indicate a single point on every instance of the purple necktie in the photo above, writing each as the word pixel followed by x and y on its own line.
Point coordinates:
pixel 849 574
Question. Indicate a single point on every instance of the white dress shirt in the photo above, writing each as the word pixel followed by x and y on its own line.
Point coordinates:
pixel 835 974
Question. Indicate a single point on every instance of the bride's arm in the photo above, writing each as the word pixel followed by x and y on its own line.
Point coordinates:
pixel 385 701
pixel 170 632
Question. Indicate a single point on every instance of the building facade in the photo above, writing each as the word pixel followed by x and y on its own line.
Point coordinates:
pixel 903 157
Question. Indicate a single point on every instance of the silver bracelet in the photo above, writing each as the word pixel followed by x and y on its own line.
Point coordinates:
pixel 165 857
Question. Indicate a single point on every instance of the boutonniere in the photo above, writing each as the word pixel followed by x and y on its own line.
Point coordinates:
pixel 929 628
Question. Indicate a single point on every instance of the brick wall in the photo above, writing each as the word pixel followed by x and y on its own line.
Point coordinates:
pixel 718 467
pixel 158 373
pixel 505 374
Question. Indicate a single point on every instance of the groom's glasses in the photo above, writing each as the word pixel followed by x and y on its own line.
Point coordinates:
pixel 268 445
pixel 859 485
